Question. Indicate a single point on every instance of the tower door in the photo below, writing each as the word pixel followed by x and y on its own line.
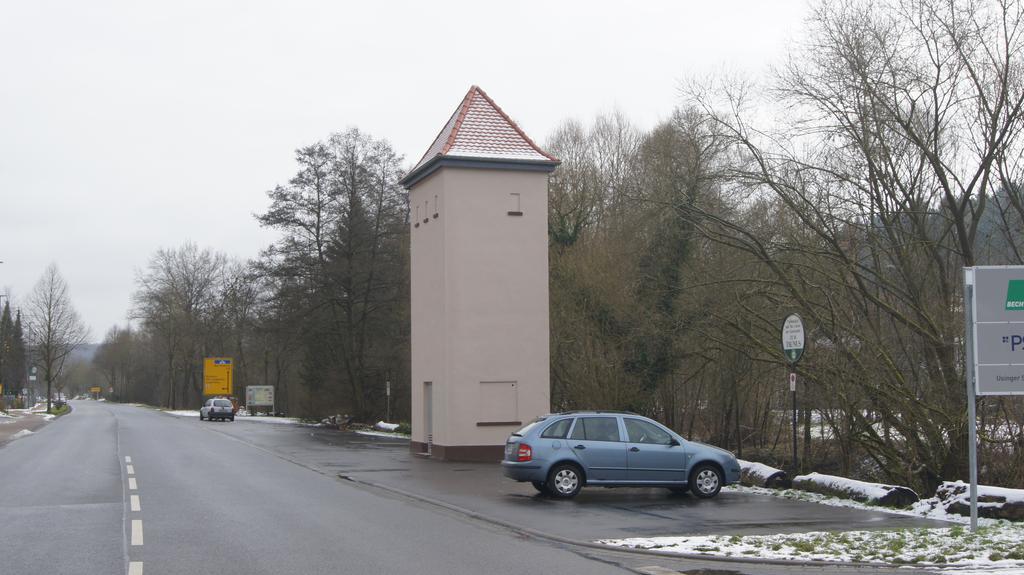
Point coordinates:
pixel 428 415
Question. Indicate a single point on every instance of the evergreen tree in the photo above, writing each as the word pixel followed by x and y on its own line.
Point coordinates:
pixel 6 333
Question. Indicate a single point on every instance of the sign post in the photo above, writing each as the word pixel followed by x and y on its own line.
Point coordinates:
pixel 217 376
pixel 793 348
pixel 994 358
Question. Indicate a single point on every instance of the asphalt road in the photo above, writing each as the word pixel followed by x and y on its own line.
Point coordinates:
pixel 115 489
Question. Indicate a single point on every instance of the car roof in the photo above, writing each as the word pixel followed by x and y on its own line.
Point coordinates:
pixel 594 411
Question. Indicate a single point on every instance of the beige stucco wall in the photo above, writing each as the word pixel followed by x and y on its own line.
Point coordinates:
pixel 480 303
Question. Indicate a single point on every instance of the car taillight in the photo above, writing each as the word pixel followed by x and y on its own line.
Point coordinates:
pixel 525 452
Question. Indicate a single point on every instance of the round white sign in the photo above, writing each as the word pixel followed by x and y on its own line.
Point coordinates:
pixel 793 337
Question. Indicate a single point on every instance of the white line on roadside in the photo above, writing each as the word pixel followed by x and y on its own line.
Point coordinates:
pixel 130 469
pixel 136 532
pixel 135 503
pixel 135 568
pixel 132 484
pixel 127 458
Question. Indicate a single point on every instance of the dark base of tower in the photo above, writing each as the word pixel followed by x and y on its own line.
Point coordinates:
pixel 478 453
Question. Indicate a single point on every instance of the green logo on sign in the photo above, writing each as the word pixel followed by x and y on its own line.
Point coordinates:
pixel 1015 295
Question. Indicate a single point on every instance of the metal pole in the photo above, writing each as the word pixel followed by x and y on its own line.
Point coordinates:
pixel 972 419
pixel 792 389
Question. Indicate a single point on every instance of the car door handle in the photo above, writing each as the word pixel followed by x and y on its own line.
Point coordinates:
pixel 580 446
pixel 634 449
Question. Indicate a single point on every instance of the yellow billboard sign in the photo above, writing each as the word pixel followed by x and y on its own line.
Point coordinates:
pixel 217 376
pixel 95 389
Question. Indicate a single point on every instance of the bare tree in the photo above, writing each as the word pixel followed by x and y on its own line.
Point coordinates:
pixel 55 329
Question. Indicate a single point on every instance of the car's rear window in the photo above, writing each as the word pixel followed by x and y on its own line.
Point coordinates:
pixel 558 429
pixel 222 403
pixel 526 429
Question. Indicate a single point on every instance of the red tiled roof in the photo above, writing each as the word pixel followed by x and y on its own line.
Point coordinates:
pixel 480 129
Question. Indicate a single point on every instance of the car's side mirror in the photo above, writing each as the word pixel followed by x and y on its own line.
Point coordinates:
pixel 673 442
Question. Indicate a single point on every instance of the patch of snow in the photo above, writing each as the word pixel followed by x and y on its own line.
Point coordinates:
pixel 240 416
pixel 270 419
pixel 22 433
pixel 919 509
pixel 996 546
pixel 383 434
pixel 384 426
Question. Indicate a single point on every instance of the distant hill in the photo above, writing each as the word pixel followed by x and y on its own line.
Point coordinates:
pixel 85 352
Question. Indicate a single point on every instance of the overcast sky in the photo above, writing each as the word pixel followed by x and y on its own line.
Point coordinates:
pixel 130 126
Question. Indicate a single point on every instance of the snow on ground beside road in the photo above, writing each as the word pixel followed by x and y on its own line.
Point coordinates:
pixel 34 411
pixel 20 434
pixel 992 547
pixel 270 419
pixel 998 544
pixel 383 434
pixel 385 426
pixel 917 510
pixel 240 416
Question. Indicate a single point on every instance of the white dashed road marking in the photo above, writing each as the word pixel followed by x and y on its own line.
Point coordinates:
pixel 136 532
pixel 127 458
pixel 135 503
pixel 135 568
pixel 132 484
pixel 130 468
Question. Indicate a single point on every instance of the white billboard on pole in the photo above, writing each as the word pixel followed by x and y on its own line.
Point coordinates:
pixel 997 336
pixel 262 395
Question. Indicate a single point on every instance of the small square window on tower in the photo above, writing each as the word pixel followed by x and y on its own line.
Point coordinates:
pixel 517 204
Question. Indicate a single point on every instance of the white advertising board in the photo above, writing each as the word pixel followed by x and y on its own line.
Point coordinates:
pixel 259 395
pixel 997 333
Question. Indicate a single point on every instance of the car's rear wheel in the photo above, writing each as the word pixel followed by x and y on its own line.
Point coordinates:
pixel 705 481
pixel 564 481
pixel 541 487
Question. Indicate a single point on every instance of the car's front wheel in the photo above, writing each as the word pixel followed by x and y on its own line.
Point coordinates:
pixel 565 481
pixel 705 481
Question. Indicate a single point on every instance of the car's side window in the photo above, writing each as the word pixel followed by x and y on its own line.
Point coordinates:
pixel 645 432
pixel 558 429
pixel 577 431
pixel 597 429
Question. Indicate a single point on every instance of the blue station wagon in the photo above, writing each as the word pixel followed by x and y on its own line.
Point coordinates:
pixel 562 452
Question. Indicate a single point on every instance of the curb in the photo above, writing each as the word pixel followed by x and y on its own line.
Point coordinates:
pixel 632 550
